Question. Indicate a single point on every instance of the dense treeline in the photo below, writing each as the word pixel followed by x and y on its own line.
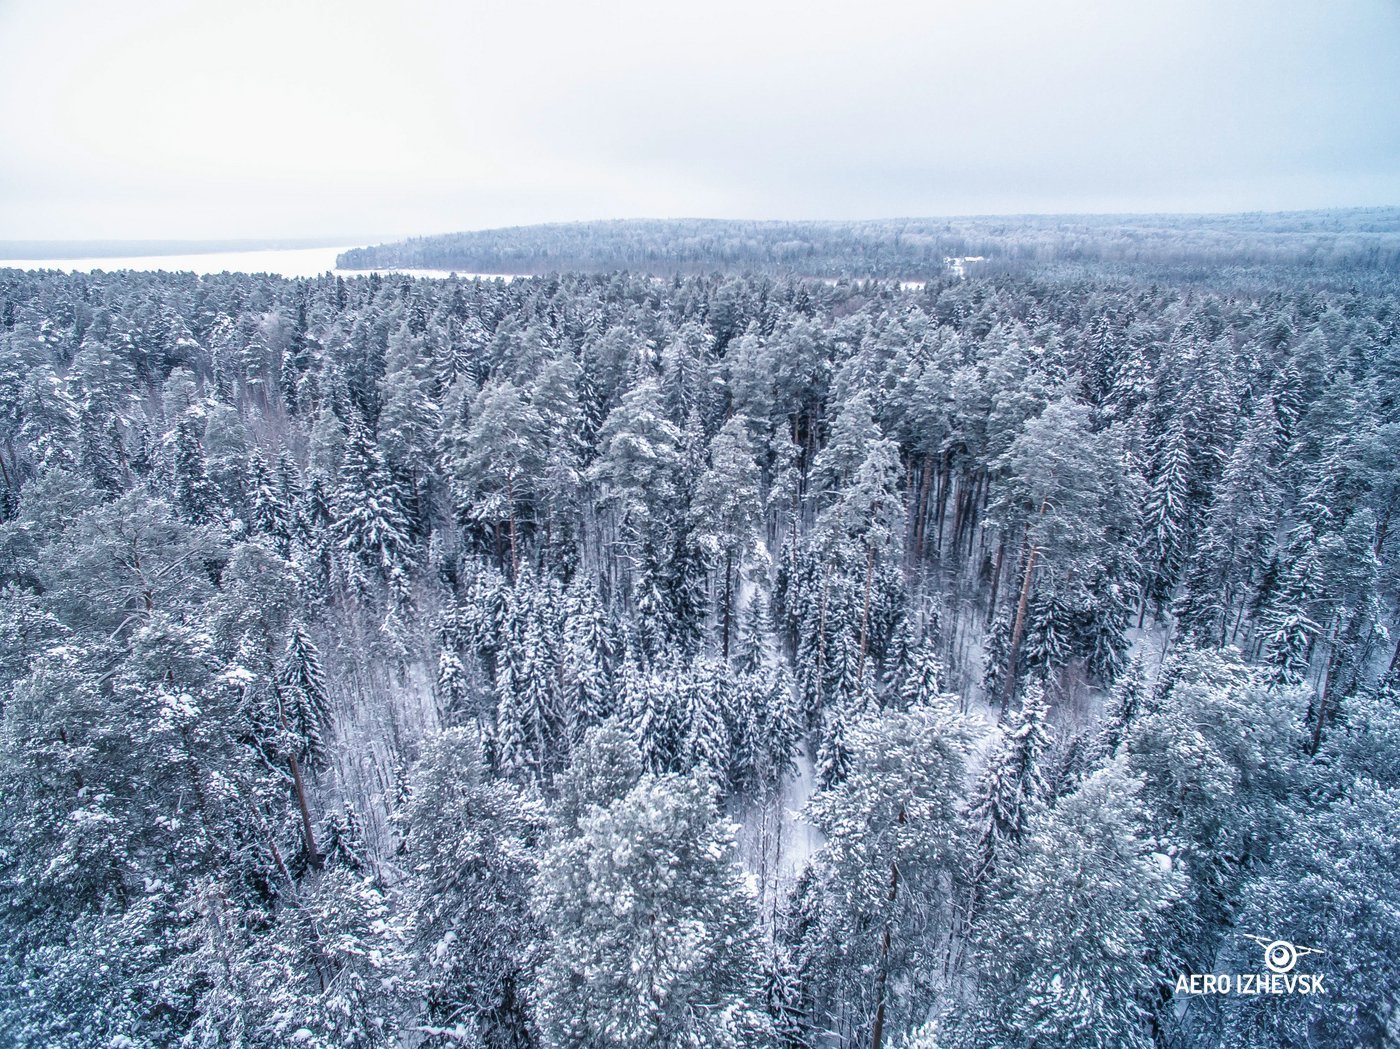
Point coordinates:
pixel 407 662
pixel 1348 245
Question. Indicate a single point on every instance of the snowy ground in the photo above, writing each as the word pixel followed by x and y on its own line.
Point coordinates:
pixel 775 842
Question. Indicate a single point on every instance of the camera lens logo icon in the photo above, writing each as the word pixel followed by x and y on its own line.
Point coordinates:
pixel 1280 956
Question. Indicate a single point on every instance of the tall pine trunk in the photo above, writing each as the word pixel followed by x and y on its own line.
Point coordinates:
pixel 313 855
pixel 1009 687
pixel 996 581
pixel 308 830
pixel 877 1031
pixel 921 507
pixel 728 598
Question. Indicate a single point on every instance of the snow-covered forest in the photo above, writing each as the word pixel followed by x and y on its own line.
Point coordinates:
pixel 1343 240
pixel 715 661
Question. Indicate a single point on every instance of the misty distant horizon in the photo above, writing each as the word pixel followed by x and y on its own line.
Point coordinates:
pixel 177 121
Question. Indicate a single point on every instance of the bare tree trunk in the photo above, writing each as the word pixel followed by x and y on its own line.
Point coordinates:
pixel 921 507
pixel 1348 664
pixel 958 502
pixel 974 511
pixel 1009 687
pixel 877 1031
pixel 728 598
pixel 308 831
pixel 1239 619
pixel 945 485
pixel 821 634
pixel 313 856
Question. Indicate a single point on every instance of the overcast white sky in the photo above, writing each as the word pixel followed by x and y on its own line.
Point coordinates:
pixel 180 119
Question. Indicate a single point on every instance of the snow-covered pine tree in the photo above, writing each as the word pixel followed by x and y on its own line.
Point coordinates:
pixel 1089 880
pixel 586 661
pixel 881 911
pixel 650 937
pixel 469 848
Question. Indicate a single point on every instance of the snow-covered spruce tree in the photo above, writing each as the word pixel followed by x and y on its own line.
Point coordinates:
pixel 196 499
pixel 920 681
pixel 302 690
pixel 1237 539
pixel 707 692
pixel 409 421
pixel 858 526
pixel 996 657
pixel 368 523
pixel 266 509
pixel 1008 792
pixel 1126 703
pixel 1049 630
pixel 587 659
pixel 529 735
pixel 453 683
pixel 1165 517
pixel 766 731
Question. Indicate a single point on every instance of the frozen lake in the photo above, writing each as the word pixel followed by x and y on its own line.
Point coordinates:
pixel 286 262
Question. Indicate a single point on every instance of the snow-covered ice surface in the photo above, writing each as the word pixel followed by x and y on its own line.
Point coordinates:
pixel 288 262
pixel 285 262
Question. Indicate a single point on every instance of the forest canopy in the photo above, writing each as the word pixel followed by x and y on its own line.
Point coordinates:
pixel 715 659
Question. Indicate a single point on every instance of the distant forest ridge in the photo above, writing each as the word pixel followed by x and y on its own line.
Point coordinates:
pixel 1356 239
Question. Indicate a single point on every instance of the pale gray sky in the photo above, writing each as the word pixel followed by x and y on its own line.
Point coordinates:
pixel 183 119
